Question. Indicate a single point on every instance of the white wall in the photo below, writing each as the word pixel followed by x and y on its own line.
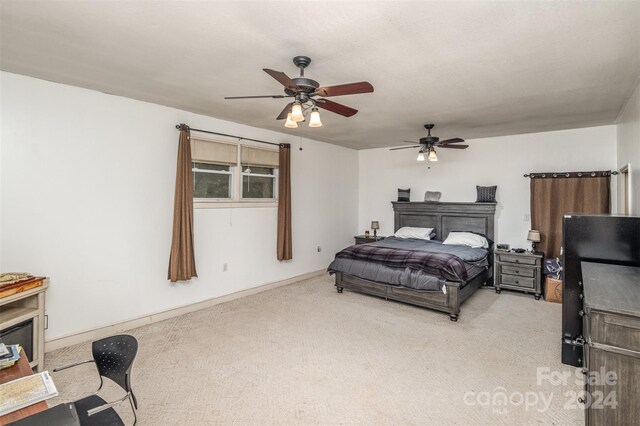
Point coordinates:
pixel 87 199
pixel 498 161
pixel 629 146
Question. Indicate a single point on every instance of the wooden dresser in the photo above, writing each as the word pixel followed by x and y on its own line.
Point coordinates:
pixel 25 303
pixel 518 271
pixel 611 328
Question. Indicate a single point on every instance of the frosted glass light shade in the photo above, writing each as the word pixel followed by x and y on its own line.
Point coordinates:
pixel 421 156
pixel 290 123
pixel 314 120
pixel 296 112
pixel 432 155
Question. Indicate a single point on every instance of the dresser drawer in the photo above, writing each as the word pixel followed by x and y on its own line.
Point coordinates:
pixel 521 271
pixel 523 260
pixel 615 330
pixel 517 281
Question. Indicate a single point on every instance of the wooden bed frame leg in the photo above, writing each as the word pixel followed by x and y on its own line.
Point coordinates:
pixel 453 317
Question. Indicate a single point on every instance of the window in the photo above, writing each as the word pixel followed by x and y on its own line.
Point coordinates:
pixel 258 182
pixel 259 168
pixel 224 172
pixel 211 181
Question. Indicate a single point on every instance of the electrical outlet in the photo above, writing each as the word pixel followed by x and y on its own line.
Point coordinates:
pixel 319 249
pixel 225 267
pixel 527 217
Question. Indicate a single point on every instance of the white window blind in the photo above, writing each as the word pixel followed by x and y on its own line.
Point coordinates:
pixel 259 157
pixel 213 152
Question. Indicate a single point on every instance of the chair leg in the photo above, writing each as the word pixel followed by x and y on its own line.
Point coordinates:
pixel 134 405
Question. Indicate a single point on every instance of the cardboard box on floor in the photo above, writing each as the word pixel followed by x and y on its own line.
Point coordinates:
pixel 553 290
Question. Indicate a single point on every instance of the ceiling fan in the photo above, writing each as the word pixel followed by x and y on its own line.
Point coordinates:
pixel 305 91
pixel 429 143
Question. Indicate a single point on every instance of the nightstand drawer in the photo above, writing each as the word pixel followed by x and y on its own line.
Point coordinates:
pixel 521 271
pixel 517 281
pixel 517 259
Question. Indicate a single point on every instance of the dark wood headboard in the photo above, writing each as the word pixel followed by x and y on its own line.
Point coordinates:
pixel 446 217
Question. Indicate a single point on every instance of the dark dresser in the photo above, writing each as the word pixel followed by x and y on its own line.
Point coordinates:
pixel 611 327
pixel 518 271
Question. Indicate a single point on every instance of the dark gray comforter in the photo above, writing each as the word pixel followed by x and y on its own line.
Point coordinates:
pixel 413 263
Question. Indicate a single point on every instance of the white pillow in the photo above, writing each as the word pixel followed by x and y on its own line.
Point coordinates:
pixel 467 239
pixel 409 232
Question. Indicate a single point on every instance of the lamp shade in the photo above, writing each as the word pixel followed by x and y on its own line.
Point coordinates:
pixel 296 112
pixel 375 225
pixel 290 123
pixel 315 119
pixel 534 236
pixel 432 155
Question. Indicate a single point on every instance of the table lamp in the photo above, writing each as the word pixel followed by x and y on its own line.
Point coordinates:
pixel 375 226
pixel 534 237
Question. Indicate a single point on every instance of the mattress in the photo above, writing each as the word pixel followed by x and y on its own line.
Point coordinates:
pixel 413 263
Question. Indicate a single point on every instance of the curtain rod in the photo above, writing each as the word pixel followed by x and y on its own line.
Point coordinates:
pixel 570 174
pixel 231 136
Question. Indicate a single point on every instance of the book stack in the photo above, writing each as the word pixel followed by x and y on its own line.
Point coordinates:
pixel 10 357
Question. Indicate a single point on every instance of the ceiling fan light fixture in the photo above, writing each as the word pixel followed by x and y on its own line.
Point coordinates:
pixel 290 123
pixel 421 156
pixel 314 119
pixel 296 112
pixel 432 155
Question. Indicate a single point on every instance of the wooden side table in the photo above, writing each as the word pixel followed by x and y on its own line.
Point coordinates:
pixel 26 303
pixel 518 271
pixel 361 239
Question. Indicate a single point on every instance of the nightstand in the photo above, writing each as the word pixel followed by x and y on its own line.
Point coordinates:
pixel 361 239
pixel 518 271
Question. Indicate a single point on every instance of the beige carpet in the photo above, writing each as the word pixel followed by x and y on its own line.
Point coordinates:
pixel 304 354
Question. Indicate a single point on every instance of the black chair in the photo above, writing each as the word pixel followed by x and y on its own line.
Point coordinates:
pixel 113 357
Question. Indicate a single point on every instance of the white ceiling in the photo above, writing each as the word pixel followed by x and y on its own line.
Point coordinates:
pixel 476 69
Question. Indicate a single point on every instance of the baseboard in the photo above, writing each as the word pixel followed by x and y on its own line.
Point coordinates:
pixel 100 332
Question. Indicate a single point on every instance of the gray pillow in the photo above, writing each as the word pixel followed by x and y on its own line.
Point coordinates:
pixel 432 195
pixel 404 194
pixel 486 194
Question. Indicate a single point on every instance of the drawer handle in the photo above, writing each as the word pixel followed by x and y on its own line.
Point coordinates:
pixel 517 282
pixel 517 260
pixel 581 313
pixel 517 271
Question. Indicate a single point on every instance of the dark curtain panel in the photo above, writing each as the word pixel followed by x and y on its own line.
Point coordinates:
pixel 553 197
pixel 182 263
pixel 284 204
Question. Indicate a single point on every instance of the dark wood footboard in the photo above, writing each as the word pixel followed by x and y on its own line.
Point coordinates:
pixel 449 302
pixel 443 218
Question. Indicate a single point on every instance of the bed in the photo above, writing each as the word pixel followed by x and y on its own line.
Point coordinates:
pixel 444 291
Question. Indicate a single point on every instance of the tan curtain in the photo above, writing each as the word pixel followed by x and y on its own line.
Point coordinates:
pixel 284 204
pixel 553 197
pixel 182 263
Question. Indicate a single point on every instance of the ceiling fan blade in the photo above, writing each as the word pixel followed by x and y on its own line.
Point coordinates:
pixel 345 89
pixel 336 107
pixel 454 146
pixel 284 112
pixel 405 147
pixel 454 140
pixel 410 141
pixel 282 79
pixel 255 97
